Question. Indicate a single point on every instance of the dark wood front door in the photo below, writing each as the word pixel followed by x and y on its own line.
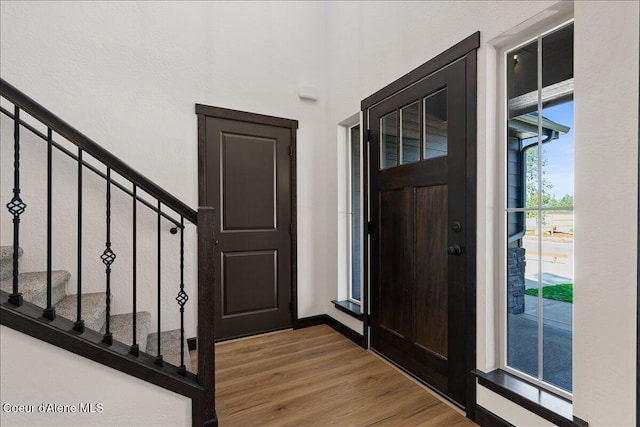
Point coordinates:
pixel 418 211
pixel 248 164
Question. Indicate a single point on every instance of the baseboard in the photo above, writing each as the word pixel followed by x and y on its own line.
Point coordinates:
pixel 307 322
pixel 325 319
pixel 346 331
pixel 212 422
pixel 192 343
pixel 487 418
pixel 251 334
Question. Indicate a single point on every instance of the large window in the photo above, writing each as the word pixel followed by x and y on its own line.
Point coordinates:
pixel 539 210
pixel 355 213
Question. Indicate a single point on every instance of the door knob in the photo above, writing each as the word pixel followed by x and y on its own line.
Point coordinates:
pixel 454 250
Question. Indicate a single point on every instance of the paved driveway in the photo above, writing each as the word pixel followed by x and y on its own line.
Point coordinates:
pixel 557 340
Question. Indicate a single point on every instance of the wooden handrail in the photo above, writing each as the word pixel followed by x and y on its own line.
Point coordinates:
pixel 77 138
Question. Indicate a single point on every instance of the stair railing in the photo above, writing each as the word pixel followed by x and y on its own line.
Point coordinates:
pixel 203 407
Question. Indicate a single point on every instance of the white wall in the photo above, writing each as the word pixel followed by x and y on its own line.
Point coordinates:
pixel 128 74
pixel 606 158
pixel 34 372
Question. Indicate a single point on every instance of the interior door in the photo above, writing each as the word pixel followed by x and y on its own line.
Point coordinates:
pixel 248 182
pixel 418 202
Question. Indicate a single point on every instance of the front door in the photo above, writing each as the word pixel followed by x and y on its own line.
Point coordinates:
pixel 418 212
pixel 247 174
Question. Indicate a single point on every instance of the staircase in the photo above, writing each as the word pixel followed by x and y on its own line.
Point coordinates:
pixel 34 287
pixel 37 303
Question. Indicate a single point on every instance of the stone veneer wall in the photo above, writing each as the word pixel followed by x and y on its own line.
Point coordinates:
pixel 515 280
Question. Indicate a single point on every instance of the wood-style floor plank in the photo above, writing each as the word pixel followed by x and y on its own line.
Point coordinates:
pixel 317 377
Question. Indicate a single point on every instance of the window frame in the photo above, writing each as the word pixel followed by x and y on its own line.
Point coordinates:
pixel 535 34
pixel 350 255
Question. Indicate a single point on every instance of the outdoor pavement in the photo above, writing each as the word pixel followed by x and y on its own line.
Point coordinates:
pixel 555 313
pixel 557 341
pixel 554 262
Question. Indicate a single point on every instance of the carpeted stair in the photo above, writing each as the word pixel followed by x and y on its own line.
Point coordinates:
pixel 33 287
pixel 6 261
pixel 122 328
pixel 94 309
pixel 170 346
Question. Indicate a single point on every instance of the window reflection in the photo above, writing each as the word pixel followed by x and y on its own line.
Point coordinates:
pixel 389 141
pixel 436 127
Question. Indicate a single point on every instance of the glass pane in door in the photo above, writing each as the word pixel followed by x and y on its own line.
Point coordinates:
pixel 410 133
pixel 389 141
pixel 436 127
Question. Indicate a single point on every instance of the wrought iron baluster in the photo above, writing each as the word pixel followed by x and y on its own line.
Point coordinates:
pixel 135 348
pixel 182 299
pixel 16 207
pixel 158 359
pixel 79 323
pixel 108 256
pixel 49 312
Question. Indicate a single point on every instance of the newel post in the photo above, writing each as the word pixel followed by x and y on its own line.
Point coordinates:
pixel 204 411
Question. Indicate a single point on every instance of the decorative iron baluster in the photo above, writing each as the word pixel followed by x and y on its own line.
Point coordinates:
pixel 79 323
pixel 182 299
pixel 158 359
pixel 16 207
pixel 49 312
pixel 107 258
pixel 135 348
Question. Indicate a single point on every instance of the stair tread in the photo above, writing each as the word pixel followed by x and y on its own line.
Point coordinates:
pixel 170 347
pixel 121 327
pixel 93 309
pixel 33 286
pixel 6 261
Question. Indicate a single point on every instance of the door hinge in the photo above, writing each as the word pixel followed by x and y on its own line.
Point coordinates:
pixel 368 135
pixel 290 306
pixel 370 227
pixel 290 228
pixel 290 151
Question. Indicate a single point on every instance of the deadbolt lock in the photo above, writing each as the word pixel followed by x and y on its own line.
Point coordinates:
pixel 454 250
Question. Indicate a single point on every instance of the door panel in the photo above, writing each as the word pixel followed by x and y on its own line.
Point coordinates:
pixel 393 237
pixel 432 272
pixel 417 320
pixel 241 293
pixel 249 182
pixel 248 187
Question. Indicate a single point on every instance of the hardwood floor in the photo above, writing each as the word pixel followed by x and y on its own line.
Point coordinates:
pixel 317 377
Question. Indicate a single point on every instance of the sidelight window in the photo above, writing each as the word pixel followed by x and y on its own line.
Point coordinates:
pixel 539 214
pixel 355 214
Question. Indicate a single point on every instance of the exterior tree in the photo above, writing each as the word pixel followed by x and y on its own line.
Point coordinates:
pixel 532 173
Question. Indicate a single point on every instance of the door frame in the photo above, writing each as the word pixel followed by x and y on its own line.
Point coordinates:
pixel 204 197
pixel 464 50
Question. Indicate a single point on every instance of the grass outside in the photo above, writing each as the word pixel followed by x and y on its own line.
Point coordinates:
pixel 562 292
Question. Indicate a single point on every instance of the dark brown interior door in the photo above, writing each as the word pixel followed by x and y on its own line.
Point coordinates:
pixel 418 211
pixel 248 180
